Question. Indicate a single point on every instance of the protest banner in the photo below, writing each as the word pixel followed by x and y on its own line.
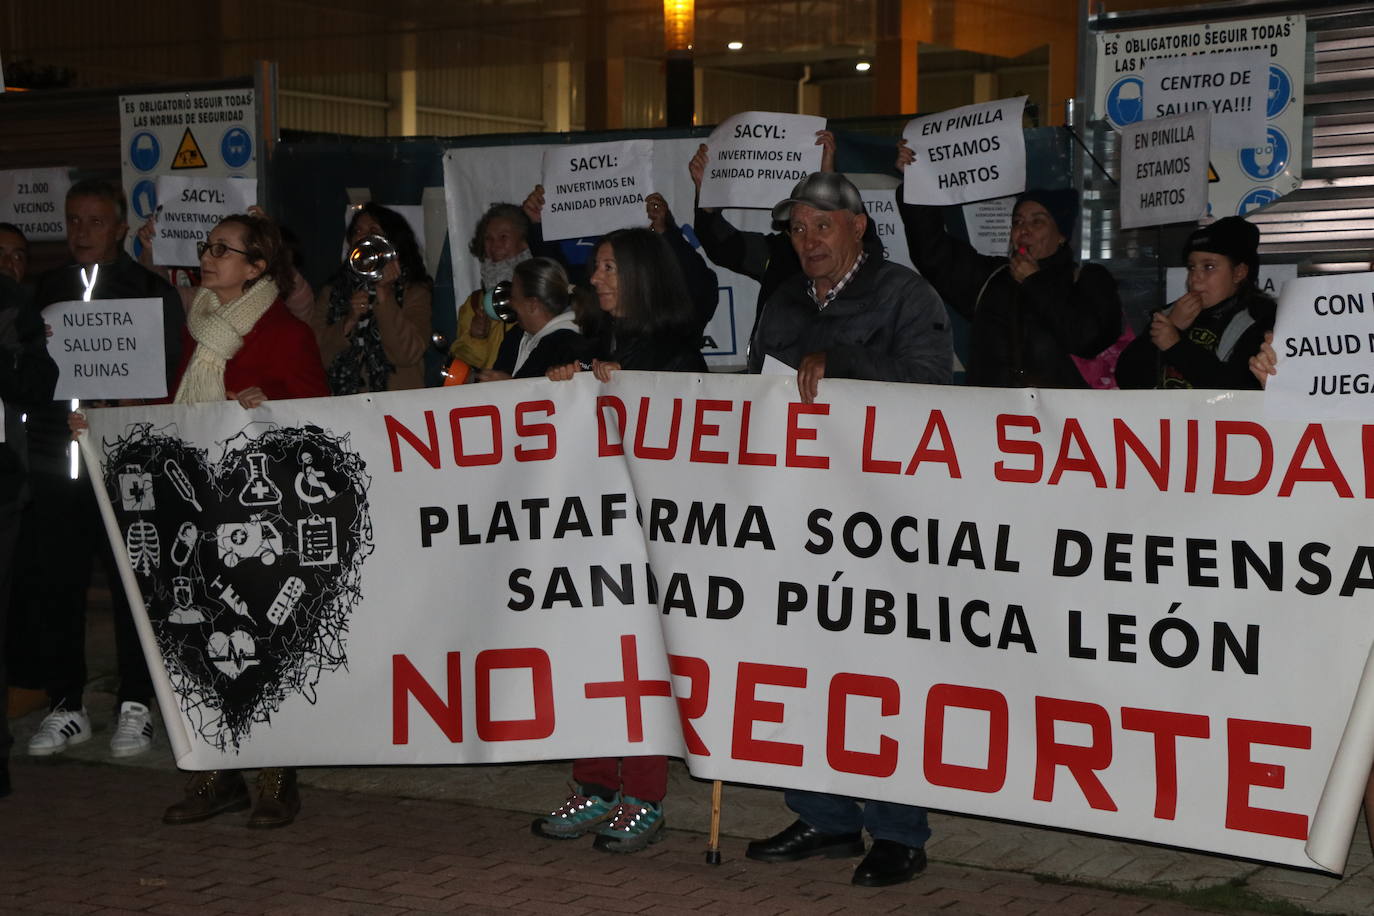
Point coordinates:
pixel 1243 179
pixel 35 200
pixel 881 204
pixel 1144 616
pixel 1269 280
pixel 1164 170
pixel 1324 340
pixel 190 208
pixel 108 349
pixel 596 188
pixel 1231 87
pixel 755 158
pixel 966 154
pixel 208 133
pixel 989 225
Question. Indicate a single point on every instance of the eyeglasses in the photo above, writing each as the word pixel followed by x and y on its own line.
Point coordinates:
pixel 217 250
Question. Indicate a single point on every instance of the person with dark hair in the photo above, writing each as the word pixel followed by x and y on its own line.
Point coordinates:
pixel 373 338
pixel 27 378
pixel 543 299
pixel 67 530
pixel 654 325
pixel 14 253
pixel 242 344
pixel 1032 310
pixel 1206 337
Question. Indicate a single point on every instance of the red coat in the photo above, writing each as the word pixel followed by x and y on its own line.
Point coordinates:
pixel 279 355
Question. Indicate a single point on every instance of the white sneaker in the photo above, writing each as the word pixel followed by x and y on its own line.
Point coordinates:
pixel 133 733
pixel 59 729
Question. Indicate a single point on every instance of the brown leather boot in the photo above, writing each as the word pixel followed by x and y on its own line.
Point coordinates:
pixel 207 794
pixel 278 798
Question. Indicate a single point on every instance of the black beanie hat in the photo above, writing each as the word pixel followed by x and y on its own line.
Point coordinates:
pixel 1062 204
pixel 1231 236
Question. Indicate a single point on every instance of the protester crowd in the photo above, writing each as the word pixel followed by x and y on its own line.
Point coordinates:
pixel 831 305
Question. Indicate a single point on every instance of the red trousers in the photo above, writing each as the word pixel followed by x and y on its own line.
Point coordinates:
pixel 645 778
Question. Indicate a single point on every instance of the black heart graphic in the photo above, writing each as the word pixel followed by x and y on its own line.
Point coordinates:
pixel 249 568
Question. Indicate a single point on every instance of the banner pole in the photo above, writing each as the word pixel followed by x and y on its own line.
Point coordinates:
pixel 713 841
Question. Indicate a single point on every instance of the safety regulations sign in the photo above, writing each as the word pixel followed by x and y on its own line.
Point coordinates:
pixel 1240 179
pixel 197 134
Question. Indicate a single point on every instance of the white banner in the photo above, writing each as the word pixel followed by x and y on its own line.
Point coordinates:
pixel 989 225
pixel 595 188
pixel 190 208
pixel 35 200
pixel 1143 615
pixel 966 154
pixel 108 349
pixel 1324 338
pixel 1164 170
pixel 1244 179
pixel 1231 88
pixel 756 158
pixel 210 133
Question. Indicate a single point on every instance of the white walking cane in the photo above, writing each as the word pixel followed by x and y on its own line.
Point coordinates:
pixel 74 450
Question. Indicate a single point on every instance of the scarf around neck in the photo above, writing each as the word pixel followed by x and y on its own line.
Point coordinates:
pixel 218 331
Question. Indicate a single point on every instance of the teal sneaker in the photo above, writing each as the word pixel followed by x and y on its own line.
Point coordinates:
pixel 632 825
pixel 578 815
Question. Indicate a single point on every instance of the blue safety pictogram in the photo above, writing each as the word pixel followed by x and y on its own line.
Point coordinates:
pixel 1264 162
pixel 1280 91
pixel 144 198
pixel 236 147
pixel 1259 197
pixel 144 151
pixel 1126 101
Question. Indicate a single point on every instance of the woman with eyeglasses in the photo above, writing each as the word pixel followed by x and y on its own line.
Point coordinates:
pixel 374 337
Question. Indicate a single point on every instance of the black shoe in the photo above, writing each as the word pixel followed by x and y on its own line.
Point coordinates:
pixel 207 794
pixel 889 862
pixel 802 841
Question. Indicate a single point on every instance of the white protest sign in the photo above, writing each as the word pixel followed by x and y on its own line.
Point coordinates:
pixel 989 225
pixel 108 349
pixel 1164 170
pixel 966 154
pixel 190 208
pixel 881 204
pixel 1244 179
pixel 35 200
pixel 1230 87
pixel 1270 279
pixel 595 188
pixel 755 158
pixel 1324 338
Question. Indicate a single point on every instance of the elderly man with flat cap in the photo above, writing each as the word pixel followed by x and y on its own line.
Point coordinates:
pixel 850 313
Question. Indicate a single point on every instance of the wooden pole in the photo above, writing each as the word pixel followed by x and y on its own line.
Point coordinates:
pixel 713 842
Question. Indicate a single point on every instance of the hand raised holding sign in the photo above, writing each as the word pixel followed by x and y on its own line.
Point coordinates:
pixel 1262 365
pixel 534 204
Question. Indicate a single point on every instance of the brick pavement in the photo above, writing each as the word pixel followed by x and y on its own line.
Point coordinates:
pixel 80 837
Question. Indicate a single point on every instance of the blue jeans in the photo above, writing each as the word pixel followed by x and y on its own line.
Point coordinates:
pixel 905 824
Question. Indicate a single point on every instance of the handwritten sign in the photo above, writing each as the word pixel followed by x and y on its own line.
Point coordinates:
pixel 989 225
pixel 966 154
pixel 1164 170
pixel 191 207
pixel 1231 87
pixel 35 200
pixel 595 188
pixel 1324 338
pixel 757 157
pixel 108 349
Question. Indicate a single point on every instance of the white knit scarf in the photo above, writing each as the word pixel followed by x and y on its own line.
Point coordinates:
pixel 218 331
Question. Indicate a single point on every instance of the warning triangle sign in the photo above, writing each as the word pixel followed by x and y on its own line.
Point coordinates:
pixel 1212 176
pixel 188 155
